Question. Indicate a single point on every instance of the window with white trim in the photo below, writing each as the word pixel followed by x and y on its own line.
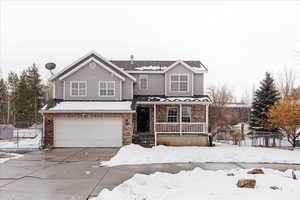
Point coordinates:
pixel 78 88
pixel 186 114
pixel 106 88
pixel 143 82
pixel 179 83
pixel 172 114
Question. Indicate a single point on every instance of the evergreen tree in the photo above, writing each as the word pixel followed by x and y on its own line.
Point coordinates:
pixel 3 101
pixel 36 92
pixel 23 107
pixel 13 80
pixel 264 98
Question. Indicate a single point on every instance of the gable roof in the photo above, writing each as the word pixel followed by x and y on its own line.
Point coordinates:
pixel 92 59
pixel 97 57
pixel 155 65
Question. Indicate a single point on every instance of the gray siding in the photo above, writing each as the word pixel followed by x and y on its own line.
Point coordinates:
pixel 198 84
pixel 179 69
pixel 156 84
pixel 92 76
pixel 58 89
pixel 127 89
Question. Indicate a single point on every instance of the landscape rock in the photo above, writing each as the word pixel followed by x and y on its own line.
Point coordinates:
pixel 230 174
pixel 274 188
pixel 246 183
pixel 255 171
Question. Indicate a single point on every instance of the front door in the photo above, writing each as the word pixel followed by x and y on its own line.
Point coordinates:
pixel 143 119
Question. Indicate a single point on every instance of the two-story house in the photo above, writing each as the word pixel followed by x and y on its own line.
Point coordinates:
pixel 106 103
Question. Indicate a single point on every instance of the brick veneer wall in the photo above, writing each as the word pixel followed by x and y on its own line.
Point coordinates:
pixel 198 112
pixel 49 124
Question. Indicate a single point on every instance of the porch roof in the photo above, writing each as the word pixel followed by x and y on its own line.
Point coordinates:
pixel 167 99
pixel 89 107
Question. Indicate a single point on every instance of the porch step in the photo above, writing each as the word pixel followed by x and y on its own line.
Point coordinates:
pixel 144 140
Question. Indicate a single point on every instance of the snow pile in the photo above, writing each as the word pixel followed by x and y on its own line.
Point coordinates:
pixel 23 143
pixel 7 156
pixel 135 154
pixel 202 184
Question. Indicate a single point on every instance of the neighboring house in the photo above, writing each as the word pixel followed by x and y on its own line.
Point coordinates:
pixel 240 112
pixel 105 103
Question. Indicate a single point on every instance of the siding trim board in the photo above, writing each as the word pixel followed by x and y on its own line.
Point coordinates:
pixel 86 64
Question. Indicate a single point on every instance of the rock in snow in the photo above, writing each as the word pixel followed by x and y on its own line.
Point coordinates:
pixel 246 183
pixel 256 171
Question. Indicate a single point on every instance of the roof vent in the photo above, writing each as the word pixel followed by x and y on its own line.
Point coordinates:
pixel 131 59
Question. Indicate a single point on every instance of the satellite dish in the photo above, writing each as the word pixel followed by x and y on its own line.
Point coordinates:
pixel 50 67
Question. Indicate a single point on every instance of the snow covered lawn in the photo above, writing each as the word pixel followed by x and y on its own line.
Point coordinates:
pixel 208 185
pixel 7 156
pixel 22 143
pixel 135 154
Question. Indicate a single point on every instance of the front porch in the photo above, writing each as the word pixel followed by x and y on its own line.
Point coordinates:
pixel 177 123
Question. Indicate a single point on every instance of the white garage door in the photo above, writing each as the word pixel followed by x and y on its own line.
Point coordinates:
pixel 95 132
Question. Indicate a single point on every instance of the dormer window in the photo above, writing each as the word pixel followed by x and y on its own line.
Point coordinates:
pixel 143 82
pixel 106 88
pixel 179 82
pixel 78 88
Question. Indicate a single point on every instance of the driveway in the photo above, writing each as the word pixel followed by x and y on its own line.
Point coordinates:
pixel 74 173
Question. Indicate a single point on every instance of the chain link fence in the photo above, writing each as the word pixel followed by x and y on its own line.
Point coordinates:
pixel 12 137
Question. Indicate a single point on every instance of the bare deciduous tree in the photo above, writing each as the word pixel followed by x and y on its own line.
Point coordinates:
pixel 217 116
pixel 246 97
pixel 286 81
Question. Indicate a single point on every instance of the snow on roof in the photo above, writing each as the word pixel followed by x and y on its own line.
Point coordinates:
pixel 91 106
pixel 151 67
pixel 237 105
pixel 180 99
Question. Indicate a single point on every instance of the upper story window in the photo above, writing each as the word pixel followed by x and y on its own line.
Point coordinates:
pixel 172 114
pixel 78 88
pixel 106 88
pixel 143 82
pixel 186 114
pixel 179 83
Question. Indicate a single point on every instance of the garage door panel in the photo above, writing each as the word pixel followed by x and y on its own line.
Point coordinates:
pixel 98 132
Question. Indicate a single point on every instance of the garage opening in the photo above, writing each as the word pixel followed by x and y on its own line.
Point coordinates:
pixel 91 132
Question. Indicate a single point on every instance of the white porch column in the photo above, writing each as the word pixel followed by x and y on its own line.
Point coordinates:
pixel 206 117
pixel 180 119
pixel 155 134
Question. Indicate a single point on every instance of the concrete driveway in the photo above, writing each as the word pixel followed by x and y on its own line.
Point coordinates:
pixel 74 173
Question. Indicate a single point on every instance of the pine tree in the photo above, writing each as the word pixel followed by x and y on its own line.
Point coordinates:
pixel 264 98
pixel 36 92
pixel 3 101
pixel 13 80
pixel 23 108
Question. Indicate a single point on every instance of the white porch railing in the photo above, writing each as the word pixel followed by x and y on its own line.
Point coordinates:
pixel 183 128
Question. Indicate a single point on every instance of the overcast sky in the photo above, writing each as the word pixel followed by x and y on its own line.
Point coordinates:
pixel 237 41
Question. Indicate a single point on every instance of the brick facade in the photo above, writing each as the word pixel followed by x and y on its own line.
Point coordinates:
pixel 49 124
pixel 198 114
